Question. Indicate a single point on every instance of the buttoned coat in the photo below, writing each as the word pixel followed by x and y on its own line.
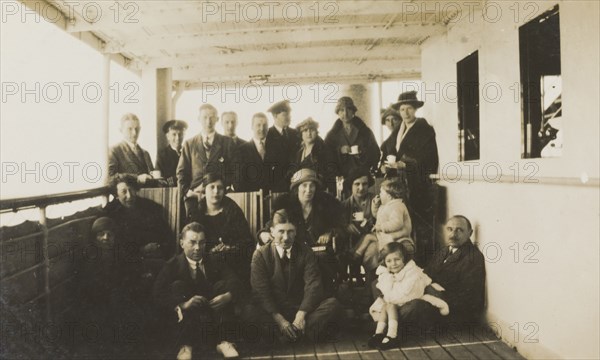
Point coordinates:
pixel 123 160
pixel 462 275
pixel 303 290
pixel 194 164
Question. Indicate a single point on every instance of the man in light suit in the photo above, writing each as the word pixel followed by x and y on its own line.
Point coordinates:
pixel 198 292
pixel 128 157
pixel 207 152
pixel 287 285
pixel 254 173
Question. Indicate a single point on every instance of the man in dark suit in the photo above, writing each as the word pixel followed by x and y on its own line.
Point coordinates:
pixel 168 157
pixel 253 173
pixel 416 157
pixel 287 285
pixel 282 144
pixel 207 152
pixel 229 120
pixel 458 275
pixel 128 157
pixel 198 292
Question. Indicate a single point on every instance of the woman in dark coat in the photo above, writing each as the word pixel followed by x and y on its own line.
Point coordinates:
pixel 352 142
pixel 415 150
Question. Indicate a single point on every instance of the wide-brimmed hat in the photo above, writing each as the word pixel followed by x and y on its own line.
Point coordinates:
pixel 281 106
pixel 387 112
pixel 308 123
pixel 304 175
pixel 175 124
pixel 345 102
pixel 102 224
pixel 356 173
pixel 410 98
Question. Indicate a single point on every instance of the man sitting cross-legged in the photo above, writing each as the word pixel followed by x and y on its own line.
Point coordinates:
pixel 198 292
pixel 287 285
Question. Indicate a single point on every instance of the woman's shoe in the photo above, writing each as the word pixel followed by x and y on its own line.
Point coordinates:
pixel 392 343
pixel 375 340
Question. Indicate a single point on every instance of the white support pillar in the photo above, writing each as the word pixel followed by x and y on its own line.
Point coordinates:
pixel 105 111
pixel 164 111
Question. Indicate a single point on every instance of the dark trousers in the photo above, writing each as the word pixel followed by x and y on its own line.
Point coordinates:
pixel 322 324
pixel 202 326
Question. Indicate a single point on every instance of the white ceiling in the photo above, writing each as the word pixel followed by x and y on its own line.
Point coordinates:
pixel 230 41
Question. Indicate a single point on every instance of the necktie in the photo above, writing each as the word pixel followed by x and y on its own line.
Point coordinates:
pixel 285 133
pixel 199 274
pixel 139 153
pixel 451 250
pixel 285 262
pixel 261 149
pixel 207 145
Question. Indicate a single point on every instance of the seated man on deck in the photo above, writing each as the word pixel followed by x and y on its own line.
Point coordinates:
pixel 458 275
pixel 199 293
pixel 287 285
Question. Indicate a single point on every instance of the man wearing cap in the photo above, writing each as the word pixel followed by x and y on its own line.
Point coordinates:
pixel 414 147
pixel 352 141
pixel 314 154
pixel 205 153
pixel 254 173
pixel 282 143
pixel 229 121
pixel 128 157
pixel 168 157
pixel 287 286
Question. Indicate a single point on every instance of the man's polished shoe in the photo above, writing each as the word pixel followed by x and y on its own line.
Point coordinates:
pixel 228 350
pixel 185 353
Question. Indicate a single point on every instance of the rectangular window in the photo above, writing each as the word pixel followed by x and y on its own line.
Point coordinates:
pixel 541 86
pixel 467 73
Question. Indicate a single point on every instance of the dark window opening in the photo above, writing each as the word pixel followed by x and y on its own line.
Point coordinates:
pixel 541 86
pixel 468 107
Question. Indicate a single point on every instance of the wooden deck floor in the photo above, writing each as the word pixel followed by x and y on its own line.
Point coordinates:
pixel 464 344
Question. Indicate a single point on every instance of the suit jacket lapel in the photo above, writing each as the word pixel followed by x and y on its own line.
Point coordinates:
pixel 277 268
pixel 201 151
pixel 132 156
pixel 215 149
pixel 293 267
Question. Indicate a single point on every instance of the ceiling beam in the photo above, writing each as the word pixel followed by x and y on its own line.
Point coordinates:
pixel 211 57
pixel 130 15
pixel 266 36
pixel 322 70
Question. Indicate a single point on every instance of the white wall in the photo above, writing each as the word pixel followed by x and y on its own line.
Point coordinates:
pixel 554 300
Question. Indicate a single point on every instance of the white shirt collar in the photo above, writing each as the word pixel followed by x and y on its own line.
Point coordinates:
pixel 257 141
pixel 131 145
pixel 280 251
pixel 193 262
pixel 210 137
pixel 279 129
